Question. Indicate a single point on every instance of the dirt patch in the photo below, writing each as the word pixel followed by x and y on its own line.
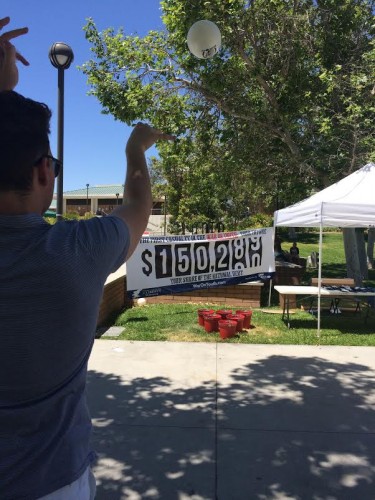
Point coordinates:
pixel 276 311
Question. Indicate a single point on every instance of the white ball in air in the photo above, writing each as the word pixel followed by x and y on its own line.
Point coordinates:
pixel 204 39
pixel 141 302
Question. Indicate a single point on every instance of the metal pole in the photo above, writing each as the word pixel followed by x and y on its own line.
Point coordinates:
pixel 273 245
pixel 320 271
pixel 165 215
pixel 60 144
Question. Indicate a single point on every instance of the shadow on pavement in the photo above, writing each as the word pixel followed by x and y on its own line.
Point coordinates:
pixel 280 427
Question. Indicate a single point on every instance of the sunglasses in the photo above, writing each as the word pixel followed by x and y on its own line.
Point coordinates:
pixel 56 164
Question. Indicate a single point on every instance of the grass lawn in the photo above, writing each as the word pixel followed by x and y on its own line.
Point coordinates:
pixel 178 322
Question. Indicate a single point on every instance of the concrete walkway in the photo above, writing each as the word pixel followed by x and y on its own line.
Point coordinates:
pixel 224 421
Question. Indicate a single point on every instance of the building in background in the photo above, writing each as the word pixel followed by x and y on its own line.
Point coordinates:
pixel 101 200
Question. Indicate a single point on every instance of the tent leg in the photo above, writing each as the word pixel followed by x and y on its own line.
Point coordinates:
pixel 269 294
pixel 271 282
pixel 320 273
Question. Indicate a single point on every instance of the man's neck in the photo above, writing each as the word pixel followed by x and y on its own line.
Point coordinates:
pixel 14 203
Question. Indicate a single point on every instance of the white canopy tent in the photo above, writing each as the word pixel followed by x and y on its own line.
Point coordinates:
pixel 348 203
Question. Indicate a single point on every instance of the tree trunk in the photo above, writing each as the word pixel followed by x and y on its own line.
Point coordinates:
pixel 370 247
pixel 292 235
pixel 360 234
pixel 353 265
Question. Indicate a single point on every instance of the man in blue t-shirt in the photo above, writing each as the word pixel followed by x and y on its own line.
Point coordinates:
pixel 51 283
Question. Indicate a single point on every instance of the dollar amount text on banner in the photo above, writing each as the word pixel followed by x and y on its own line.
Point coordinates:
pixel 166 265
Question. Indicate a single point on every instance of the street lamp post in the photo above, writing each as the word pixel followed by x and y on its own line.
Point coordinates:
pixel 61 57
pixel 87 195
pixel 117 195
pixel 165 214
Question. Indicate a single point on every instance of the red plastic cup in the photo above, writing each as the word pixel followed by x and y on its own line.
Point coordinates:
pixel 202 313
pixel 224 313
pixel 239 320
pixel 227 328
pixel 247 320
pixel 211 322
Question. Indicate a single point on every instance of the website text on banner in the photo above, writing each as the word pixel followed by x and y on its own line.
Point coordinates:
pixel 172 264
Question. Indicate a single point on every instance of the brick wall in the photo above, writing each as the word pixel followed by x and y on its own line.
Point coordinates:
pixel 114 298
pixel 246 295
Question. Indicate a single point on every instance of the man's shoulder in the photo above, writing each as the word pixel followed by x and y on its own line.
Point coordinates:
pixel 93 222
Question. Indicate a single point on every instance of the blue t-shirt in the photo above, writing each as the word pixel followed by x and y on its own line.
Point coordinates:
pixel 51 284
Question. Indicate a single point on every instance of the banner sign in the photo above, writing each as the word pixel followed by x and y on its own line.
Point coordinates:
pixel 171 264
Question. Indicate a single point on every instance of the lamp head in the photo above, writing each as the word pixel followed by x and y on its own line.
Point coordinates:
pixel 61 55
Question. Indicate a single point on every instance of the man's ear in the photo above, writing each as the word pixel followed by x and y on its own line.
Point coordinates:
pixel 42 172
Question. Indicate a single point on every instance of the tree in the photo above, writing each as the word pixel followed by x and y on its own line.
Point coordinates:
pixel 287 104
pixel 370 247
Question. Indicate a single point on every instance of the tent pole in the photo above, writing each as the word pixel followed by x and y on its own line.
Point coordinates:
pixel 320 272
pixel 271 281
pixel 269 294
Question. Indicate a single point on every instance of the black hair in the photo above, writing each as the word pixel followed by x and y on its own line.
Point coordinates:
pixel 24 129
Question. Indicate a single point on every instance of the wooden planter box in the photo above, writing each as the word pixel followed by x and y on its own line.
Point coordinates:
pixel 244 295
pixel 115 300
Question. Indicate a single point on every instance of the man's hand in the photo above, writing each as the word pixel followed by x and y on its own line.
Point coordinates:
pixel 9 56
pixel 144 136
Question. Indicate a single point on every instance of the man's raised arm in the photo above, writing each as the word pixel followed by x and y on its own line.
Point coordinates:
pixel 137 194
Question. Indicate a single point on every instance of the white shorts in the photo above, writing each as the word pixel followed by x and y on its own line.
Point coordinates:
pixel 84 488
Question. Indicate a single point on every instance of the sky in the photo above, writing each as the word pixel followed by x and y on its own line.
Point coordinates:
pixel 94 143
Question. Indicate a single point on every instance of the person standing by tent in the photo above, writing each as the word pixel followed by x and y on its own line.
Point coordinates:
pixel 294 253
